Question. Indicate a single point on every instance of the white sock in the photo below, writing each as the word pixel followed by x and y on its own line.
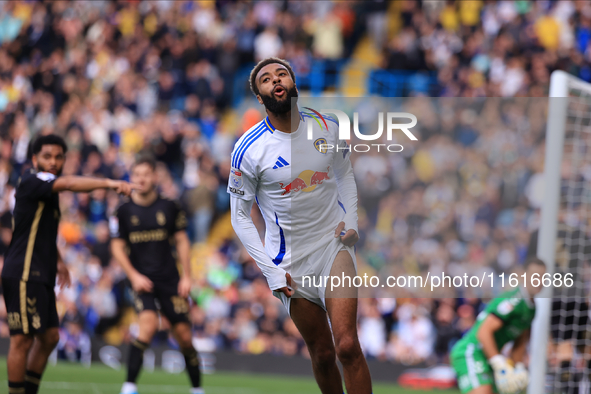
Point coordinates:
pixel 128 388
pixel 197 390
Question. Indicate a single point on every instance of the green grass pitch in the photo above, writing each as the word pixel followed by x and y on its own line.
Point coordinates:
pixel 65 378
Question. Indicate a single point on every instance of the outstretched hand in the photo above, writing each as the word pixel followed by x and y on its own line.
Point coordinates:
pixel 125 188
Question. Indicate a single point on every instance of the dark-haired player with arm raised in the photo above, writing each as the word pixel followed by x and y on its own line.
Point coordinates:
pixel 145 226
pixel 33 262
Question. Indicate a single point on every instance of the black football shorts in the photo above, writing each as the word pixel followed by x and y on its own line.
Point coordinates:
pixel 165 298
pixel 30 306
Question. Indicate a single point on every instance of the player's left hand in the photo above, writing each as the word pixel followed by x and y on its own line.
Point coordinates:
pixel 63 276
pixel 184 286
pixel 349 238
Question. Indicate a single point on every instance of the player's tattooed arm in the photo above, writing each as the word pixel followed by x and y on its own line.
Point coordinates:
pixel 183 248
pixel 139 282
pixel 83 184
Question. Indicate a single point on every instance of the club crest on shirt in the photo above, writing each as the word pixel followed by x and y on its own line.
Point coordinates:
pixel 135 221
pixel 160 218
pixel 236 180
pixel 321 145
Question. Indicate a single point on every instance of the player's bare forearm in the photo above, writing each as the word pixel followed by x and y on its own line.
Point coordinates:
pixel 139 282
pixel 118 252
pixel 82 184
pixel 486 335
pixel 519 347
pixel 183 249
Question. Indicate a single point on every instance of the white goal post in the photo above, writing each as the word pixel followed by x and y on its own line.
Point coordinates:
pixel 567 131
pixel 548 228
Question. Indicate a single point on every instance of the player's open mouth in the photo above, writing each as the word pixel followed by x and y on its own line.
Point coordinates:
pixel 279 91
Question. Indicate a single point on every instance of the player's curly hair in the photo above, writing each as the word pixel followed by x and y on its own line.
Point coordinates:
pixel 49 139
pixel 270 60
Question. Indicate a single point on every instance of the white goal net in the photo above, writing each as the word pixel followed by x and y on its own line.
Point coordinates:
pixel 561 341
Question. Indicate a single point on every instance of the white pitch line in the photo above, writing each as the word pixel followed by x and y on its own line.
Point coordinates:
pixel 95 389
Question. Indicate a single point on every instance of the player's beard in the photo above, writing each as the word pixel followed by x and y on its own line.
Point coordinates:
pixel 40 168
pixel 280 107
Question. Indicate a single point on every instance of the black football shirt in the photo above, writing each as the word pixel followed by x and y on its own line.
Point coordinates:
pixel 148 232
pixel 32 253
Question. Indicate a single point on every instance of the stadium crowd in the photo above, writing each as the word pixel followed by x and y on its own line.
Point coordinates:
pixel 116 78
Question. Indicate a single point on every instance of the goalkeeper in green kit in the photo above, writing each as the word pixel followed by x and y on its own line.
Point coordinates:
pixel 476 358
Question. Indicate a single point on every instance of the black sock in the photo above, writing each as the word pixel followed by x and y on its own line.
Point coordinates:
pixel 192 365
pixel 136 359
pixel 16 387
pixel 32 382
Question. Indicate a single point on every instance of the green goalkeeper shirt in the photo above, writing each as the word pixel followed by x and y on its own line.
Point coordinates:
pixel 515 308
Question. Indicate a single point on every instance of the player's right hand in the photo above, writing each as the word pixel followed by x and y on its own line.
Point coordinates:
pixel 289 289
pixel 141 283
pixel 125 188
pixel 521 376
pixel 505 378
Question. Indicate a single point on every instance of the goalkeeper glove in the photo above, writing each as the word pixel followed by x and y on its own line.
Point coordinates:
pixel 521 376
pixel 504 375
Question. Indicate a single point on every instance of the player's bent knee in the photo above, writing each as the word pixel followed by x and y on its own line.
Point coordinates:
pixel 348 349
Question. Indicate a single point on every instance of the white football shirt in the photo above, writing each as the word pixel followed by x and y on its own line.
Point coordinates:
pixel 295 182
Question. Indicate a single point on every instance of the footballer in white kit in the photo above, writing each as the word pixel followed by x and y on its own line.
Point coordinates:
pixel 304 190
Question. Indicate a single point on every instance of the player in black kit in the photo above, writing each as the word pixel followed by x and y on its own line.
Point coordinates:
pixel 146 225
pixel 32 261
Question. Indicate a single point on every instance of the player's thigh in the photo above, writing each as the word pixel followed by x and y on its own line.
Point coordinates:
pixel 474 375
pixel 486 389
pixel 49 338
pixel 148 324
pixel 310 320
pixel 342 268
pixel 341 303
pixel 173 306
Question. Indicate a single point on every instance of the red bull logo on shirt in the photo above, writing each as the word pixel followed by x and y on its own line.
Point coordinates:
pixel 305 182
